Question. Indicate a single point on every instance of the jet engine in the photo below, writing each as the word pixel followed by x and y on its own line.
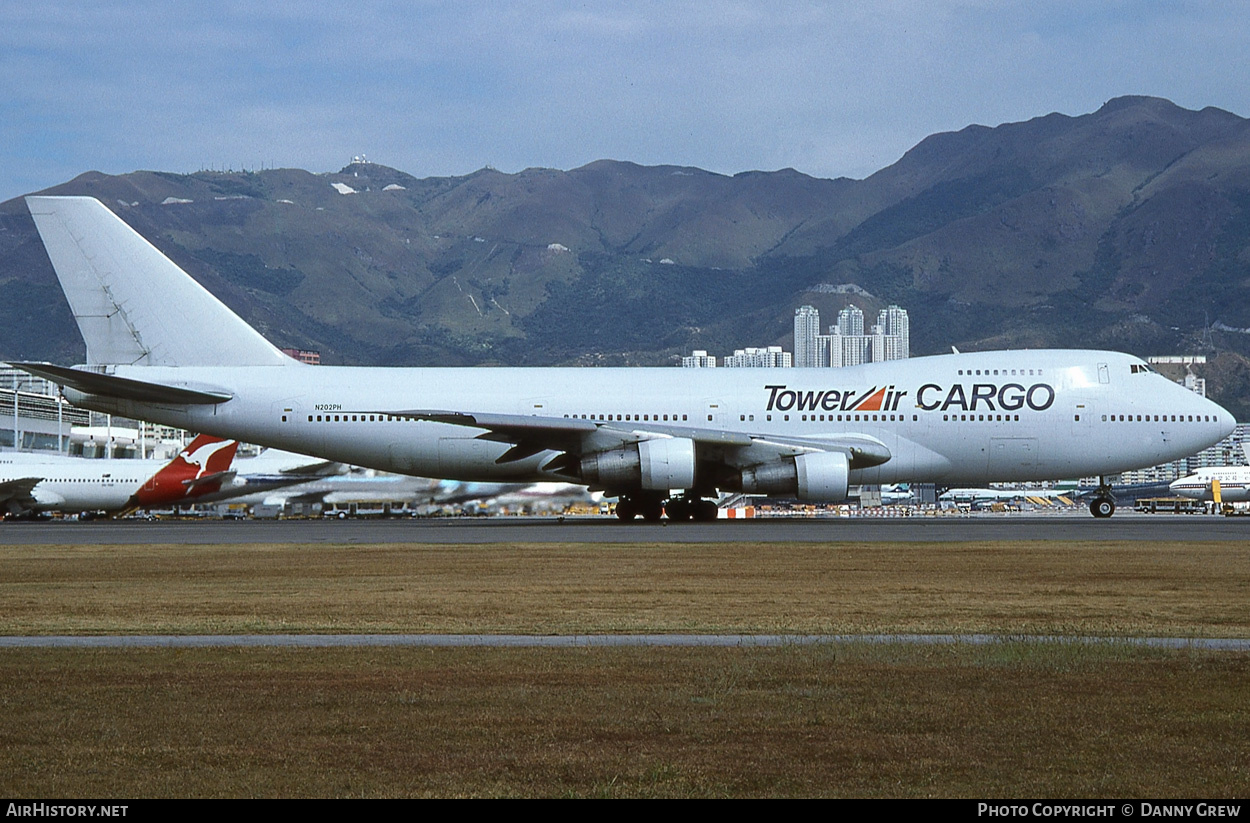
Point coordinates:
pixel 656 465
pixel 817 476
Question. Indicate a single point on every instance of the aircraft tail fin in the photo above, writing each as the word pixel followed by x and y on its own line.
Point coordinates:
pixel 198 469
pixel 133 305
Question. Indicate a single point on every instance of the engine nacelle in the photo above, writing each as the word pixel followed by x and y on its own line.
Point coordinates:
pixel 822 476
pixel 656 465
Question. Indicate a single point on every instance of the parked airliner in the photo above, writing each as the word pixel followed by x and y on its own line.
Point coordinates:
pixel 1221 484
pixel 33 483
pixel 202 472
pixel 162 348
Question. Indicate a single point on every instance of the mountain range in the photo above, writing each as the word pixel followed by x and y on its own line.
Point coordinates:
pixel 1126 228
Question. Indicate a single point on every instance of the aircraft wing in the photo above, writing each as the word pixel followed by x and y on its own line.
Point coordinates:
pixel 575 437
pixel 17 496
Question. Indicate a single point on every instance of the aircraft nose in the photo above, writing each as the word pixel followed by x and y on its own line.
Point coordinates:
pixel 1228 424
pixel 1223 419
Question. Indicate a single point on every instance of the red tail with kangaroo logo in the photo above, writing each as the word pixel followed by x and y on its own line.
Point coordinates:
pixel 199 469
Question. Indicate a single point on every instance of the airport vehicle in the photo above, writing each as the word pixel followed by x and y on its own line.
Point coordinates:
pixel 1171 505
pixel 162 348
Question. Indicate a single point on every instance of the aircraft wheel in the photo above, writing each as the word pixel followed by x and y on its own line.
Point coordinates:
pixel 705 511
pixel 653 510
pixel 678 509
pixel 1102 507
pixel 626 510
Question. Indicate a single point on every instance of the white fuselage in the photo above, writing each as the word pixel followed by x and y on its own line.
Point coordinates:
pixel 964 419
pixel 76 484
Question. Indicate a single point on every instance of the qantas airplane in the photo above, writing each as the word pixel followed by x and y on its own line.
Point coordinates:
pixel 162 348
pixel 201 473
pixel 30 484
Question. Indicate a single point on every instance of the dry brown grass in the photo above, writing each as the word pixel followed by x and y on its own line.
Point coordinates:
pixel 1197 589
pixel 1007 720
pixel 1027 720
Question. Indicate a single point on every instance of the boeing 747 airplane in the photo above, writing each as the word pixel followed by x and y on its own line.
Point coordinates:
pixel 162 348
pixel 1221 484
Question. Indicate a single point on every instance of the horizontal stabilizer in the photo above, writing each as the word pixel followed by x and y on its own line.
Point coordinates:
pixel 124 388
pixel 214 480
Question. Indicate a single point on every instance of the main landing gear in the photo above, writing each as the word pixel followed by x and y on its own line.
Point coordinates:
pixel 652 507
pixel 1103 504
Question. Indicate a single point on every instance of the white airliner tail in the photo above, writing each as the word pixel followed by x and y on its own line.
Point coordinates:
pixel 133 305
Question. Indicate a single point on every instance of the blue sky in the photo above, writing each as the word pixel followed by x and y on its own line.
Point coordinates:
pixel 444 88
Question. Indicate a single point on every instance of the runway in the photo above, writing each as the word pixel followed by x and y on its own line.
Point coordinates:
pixel 1062 528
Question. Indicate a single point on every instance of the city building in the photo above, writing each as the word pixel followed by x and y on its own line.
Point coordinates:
pixel 767 358
pixel 807 352
pixel 311 358
pixel 699 359
pixel 33 415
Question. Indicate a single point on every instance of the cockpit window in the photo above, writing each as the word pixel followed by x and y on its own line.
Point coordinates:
pixel 1141 368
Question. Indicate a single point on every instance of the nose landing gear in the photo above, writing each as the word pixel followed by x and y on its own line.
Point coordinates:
pixel 1103 504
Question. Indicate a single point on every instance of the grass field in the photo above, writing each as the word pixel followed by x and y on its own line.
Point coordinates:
pixel 1007 720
